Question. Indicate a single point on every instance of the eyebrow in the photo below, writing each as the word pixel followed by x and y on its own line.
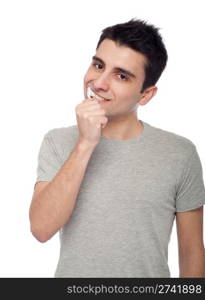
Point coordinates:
pixel 117 69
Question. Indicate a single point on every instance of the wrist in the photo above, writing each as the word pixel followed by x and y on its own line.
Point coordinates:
pixel 85 145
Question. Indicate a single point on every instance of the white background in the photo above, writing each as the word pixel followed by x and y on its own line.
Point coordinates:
pixel 45 50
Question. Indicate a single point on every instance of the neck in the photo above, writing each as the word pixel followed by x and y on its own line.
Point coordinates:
pixel 122 128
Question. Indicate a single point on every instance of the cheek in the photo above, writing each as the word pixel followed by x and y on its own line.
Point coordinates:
pixel 124 93
pixel 90 75
pixel 127 97
pixel 86 76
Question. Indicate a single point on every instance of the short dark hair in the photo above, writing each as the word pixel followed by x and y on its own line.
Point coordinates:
pixel 144 38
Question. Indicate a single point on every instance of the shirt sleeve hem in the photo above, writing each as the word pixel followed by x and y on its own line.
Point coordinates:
pixel 190 208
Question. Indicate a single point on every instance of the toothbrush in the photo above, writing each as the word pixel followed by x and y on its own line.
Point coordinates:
pixel 90 93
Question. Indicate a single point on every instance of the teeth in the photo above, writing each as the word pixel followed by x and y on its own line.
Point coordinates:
pixel 91 94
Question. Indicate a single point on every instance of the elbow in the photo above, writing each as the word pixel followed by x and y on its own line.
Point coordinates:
pixel 36 230
pixel 40 238
pixel 41 230
pixel 39 234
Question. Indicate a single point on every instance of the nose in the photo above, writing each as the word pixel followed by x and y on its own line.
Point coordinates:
pixel 101 83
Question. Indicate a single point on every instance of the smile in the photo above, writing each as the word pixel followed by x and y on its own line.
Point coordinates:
pixel 91 94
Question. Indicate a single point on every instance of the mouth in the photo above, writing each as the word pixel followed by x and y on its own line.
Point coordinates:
pixel 91 94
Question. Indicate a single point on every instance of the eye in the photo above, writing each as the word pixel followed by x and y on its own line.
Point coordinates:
pixel 95 64
pixel 124 77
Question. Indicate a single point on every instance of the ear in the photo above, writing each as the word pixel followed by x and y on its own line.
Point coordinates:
pixel 147 95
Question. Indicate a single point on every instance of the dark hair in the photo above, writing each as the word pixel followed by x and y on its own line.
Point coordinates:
pixel 144 38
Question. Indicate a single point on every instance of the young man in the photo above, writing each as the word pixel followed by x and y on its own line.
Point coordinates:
pixel 113 184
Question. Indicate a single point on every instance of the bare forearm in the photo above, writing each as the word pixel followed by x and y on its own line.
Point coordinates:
pixel 55 203
pixel 193 265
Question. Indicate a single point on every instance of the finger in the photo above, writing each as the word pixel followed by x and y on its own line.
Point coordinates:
pixel 90 100
pixel 91 104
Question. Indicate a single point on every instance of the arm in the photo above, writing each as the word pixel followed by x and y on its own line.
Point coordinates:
pixel 190 243
pixel 51 208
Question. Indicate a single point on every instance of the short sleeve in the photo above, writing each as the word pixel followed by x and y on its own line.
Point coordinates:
pixel 191 191
pixel 48 160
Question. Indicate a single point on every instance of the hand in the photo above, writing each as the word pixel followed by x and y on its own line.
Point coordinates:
pixel 90 118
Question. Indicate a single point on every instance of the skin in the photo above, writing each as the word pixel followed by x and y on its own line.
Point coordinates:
pixel 189 225
pixel 125 93
pixel 123 124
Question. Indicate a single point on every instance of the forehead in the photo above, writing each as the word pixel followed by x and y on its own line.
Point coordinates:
pixel 115 55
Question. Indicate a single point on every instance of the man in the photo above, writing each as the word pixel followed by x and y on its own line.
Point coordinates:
pixel 113 184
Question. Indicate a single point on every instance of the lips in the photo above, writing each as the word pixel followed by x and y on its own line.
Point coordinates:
pixel 91 94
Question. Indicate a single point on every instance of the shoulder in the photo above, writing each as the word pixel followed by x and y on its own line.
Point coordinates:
pixel 61 134
pixel 62 140
pixel 170 142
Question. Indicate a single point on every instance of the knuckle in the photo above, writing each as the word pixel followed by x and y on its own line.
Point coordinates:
pixel 91 119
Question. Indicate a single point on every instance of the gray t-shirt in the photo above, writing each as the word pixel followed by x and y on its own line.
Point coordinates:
pixel 124 212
